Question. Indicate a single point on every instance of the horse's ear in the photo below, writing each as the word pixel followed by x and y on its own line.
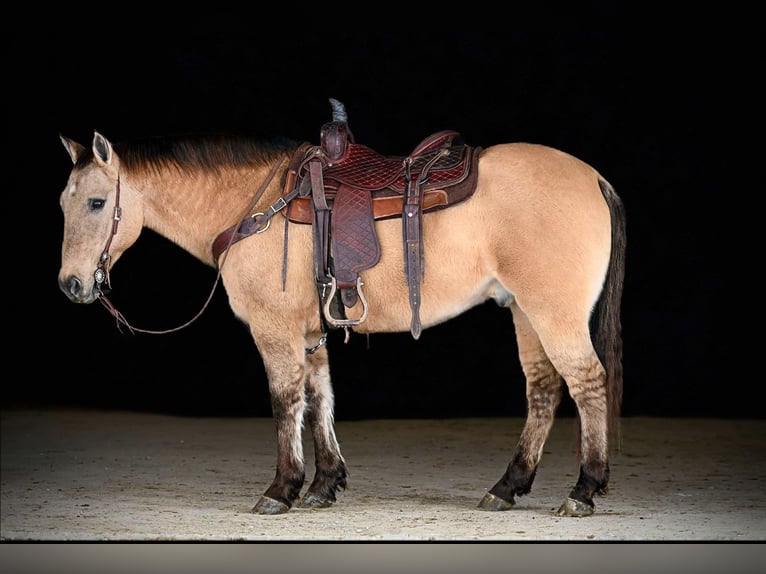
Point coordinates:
pixel 73 148
pixel 102 149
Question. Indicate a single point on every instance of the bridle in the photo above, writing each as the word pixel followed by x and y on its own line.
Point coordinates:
pixel 102 269
pixel 101 275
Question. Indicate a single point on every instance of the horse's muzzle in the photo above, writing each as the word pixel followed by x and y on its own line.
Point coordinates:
pixel 75 291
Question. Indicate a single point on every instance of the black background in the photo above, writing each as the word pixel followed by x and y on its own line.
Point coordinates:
pixel 666 107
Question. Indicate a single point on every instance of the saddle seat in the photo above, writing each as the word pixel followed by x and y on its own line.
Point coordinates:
pixel 383 177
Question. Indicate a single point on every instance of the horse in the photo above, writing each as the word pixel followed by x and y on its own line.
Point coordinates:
pixel 542 234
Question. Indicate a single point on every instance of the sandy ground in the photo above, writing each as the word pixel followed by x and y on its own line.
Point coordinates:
pixel 89 475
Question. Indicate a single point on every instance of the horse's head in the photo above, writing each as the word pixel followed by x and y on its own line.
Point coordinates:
pixel 102 218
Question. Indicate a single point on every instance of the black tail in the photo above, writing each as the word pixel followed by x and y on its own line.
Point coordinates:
pixel 608 336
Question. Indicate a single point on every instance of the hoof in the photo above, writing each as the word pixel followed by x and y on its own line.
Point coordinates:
pixel 313 501
pixel 572 507
pixel 270 506
pixel 492 502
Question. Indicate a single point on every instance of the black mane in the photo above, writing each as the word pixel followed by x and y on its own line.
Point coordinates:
pixel 197 152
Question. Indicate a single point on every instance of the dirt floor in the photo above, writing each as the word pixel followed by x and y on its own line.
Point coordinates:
pixel 91 475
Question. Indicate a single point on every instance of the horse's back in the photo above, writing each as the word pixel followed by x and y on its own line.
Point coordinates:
pixel 533 178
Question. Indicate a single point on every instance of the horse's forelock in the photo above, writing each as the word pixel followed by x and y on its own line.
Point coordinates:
pixel 84 158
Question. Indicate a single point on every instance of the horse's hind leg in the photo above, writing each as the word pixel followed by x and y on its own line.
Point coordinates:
pixel 567 342
pixel 544 390
pixel 330 475
pixel 586 380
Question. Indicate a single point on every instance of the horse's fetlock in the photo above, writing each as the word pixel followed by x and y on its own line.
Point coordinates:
pixel 593 479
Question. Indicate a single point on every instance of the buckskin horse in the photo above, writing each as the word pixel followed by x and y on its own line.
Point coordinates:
pixel 307 238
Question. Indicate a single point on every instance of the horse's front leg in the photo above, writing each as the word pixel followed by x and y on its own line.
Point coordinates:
pixel 285 367
pixel 331 469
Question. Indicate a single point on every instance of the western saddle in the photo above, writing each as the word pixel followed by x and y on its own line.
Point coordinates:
pixel 341 188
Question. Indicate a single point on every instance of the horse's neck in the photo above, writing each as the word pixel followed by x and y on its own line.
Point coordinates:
pixel 191 211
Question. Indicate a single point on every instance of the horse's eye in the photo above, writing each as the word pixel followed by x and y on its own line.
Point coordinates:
pixel 96 204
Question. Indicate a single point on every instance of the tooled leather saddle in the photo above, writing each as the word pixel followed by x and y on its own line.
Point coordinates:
pixel 341 188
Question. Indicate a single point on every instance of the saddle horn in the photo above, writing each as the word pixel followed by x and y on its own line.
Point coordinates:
pixel 335 135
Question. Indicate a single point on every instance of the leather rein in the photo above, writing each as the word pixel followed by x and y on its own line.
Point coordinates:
pixel 101 275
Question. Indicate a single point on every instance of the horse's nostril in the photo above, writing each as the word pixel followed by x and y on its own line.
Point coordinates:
pixel 72 287
pixel 75 286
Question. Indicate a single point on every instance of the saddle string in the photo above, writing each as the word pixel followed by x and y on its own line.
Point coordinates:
pixel 102 270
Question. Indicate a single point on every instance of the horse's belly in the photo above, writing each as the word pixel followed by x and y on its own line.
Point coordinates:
pixel 397 316
pixel 446 292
